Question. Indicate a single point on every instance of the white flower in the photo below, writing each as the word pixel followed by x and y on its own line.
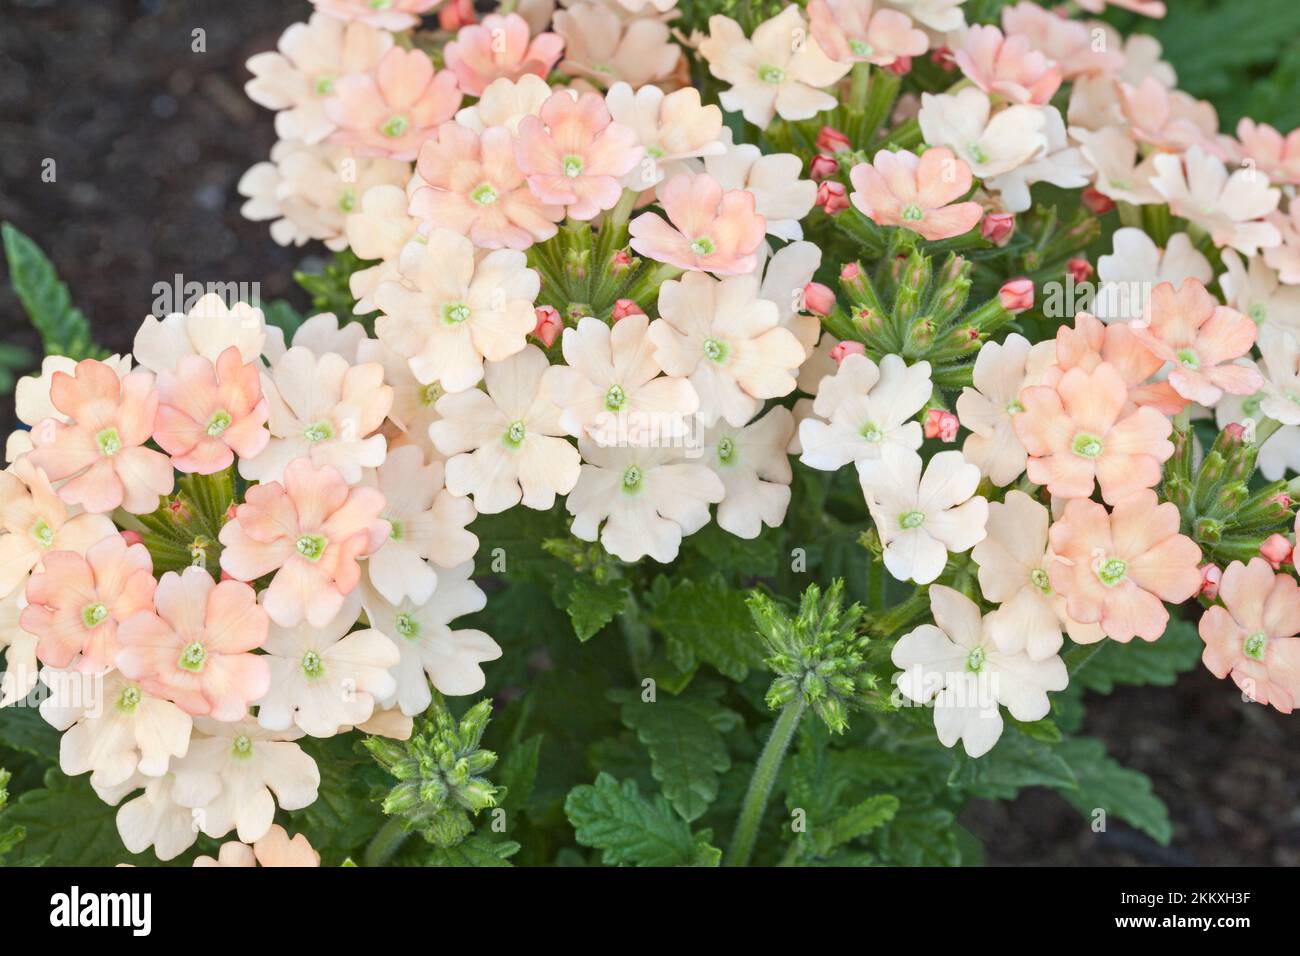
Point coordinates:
pixel 1231 208
pixel 324 679
pixel 786 274
pixel 113 729
pixel 312 55
pixel 1137 266
pixel 956 663
pixel 429 524
pixel 414 405
pixel 321 333
pixel 864 408
pixel 20 667
pixel 208 329
pixel 921 519
pixel 430 650
pixel 938 16
pixel 1122 174
pixel 672 127
pixel 502 444
pixel 1278 455
pixel 755 471
pixel 612 390
pixel 379 229
pixel 229 775
pixel 1061 165
pixel 648 499
pixel 324 409
pixel 1001 371
pixel 1255 289
pixel 819 366
pixel 990 145
pixel 780 196
pixel 154 818
pixel 451 313
pixel 779 70
pixel 1280 360
pixel 727 341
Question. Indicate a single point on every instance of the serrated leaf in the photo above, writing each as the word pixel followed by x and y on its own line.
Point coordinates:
pixel 687 750
pixel 518 773
pixel 920 837
pixel 630 830
pixel 592 604
pixel 706 621
pixel 45 298
pixel 1014 763
pixel 859 820
pixel 1105 784
pixel 1101 666
pixel 68 825
pixel 478 850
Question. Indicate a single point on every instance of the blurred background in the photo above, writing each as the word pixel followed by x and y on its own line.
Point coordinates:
pixel 150 138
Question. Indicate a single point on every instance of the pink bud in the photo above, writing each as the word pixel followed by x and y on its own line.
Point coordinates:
pixel 455 15
pixel 1210 577
pixel 832 141
pixel 997 227
pixel 942 56
pixel 178 509
pixel 1080 269
pixel 1098 203
pixel 818 299
pixel 832 197
pixel 846 348
pixel 940 424
pixel 1017 295
pixel 132 537
pixel 625 307
pixel 1235 432
pixel 850 271
pixel 1282 500
pixel 901 66
pixel 822 166
pixel 549 324
pixel 620 261
pixel 231 511
pixel 1276 549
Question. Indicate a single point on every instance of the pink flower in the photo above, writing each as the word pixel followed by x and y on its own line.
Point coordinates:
pixel 195 649
pixel 1252 638
pixel 207 415
pixel 1274 154
pixel 1076 433
pixel 850 30
pixel 549 325
pixel 384 14
pixel 1007 65
pixel 1090 343
pixel 100 449
pixel 499 47
pixel 574 154
pixel 998 227
pixel 474 187
pixel 1115 569
pixel 455 14
pixel 1202 339
pixel 309 531
pixel 1167 119
pixel 716 231
pixel 898 189
pixel 1017 295
pixel 843 350
pixel 391 111
pixel 76 604
pixel 832 197
pixel 941 424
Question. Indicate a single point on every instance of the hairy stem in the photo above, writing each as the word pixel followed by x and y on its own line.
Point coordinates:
pixel 385 843
pixel 761 783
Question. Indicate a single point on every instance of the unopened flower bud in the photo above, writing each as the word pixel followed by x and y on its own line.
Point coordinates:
pixel 822 167
pixel 1097 203
pixel 832 141
pixel 941 424
pixel 549 324
pixel 620 262
pixel 454 15
pixel 133 537
pixel 998 227
pixel 1276 549
pixel 1080 269
pixel 1210 576
pixel 1017 295
pixel 832 197
pixel 843 350
pixel 943 58
pixel 901 66
pixel 818 299
pixel 625 307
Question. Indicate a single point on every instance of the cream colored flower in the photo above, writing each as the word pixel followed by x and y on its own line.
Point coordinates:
pixel 755 471
pixel 1231 208
pixel 992 143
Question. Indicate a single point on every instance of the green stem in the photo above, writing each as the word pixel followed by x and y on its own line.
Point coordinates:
pixel 385 843
pixel 1265 429
pixel 761 783
pixel 861 79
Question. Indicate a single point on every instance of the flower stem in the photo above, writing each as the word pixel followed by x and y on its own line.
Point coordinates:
pixel 761 783
pixel 385 843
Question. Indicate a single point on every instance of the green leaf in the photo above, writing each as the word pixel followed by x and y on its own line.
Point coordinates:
pixel 1100 667
pixel 518 773
pixel 1105 784
pixel 920 837
pixel 344 815
pixel 858 820
pixel 25 730
pixel 592 604
pixel 478 850
pixel 706 621
pixel 9 835
pixel 67 824
pixel 283 316
pixel 1014 763
pixel 630 830
pixel 45 298
pixel 687 750
pixel 13 359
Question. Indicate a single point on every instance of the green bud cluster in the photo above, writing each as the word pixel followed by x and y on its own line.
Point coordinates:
pixel 440 773
pixel 585 271
pixel 183 531
pixel 818 654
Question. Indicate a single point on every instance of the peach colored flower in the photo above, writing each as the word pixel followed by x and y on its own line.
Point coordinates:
pixel 207 329
pixel 1117 568
pixel 499 47
pixel 898 189
pixel 1076 434
pixel 1201 339
pixel 383 14
pixel 76 604
pixel 1252 637
pixel 195 649
pixel 308 531
pixel 32 403
pixel 1284 258
pixel 1090 343
pixel 391 111
pixel 99 453
pixel 574 154
pixel 472 185
pixel 378 229
pixel 780 196
pixel 715 231
pixel 604 48
pixel 852 31
pixel 672 128
pixel 1069 43
pixel 505 103
pixel 1168 119
pixel 207 414
pixel 1008 66
pixel 989 405
pixel 1274 154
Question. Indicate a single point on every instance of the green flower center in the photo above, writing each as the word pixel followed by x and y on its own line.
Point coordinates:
pixel 218 423
pixel 976 152
pixel 615 398
pixel 324 85
pixel 93 615
pixel 241 747
pixel 1253 646
pixel 861 48
pixel 514 436
pixel 1251 405
pixel 192 657
pixel 726 450
pixel 872 433
pixel 454 313
pixel 913 213
pixel 715 350
pixel 976 660
pixel 109 442
pixel 1014 407
pixel 1086 445
pixel 771 74
pixel 312 665
pixel 911 519
pixel 310 546
pixel 431 393
pixel 395 529
pixel 407 626
pixel 319 432
pixel 1112 571
pixel 632 478
pixel 1258 312
pixel 396 126
pixel 1038 577
pixel 348 199
pixel 43 533
pixel 484 194
pixel 654 152
pixel 129 700
pixel 1189 359
pixel 572 166
pixel 703 246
